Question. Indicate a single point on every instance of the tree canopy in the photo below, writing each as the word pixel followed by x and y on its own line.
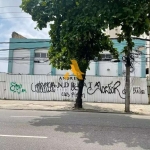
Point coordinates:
pixel 132 15
pixel 77 29
pixel 134 18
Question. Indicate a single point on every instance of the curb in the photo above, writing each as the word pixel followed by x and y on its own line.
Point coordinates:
pixel 76 110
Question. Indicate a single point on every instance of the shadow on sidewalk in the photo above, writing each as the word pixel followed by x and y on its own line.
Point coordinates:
pixel 106 129
pixel 99 109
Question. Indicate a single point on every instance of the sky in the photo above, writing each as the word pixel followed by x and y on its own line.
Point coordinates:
pixel 8 24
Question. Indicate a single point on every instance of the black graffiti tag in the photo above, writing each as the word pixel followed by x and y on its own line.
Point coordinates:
pixel 66 94
pixel 110 88
pixel 74 87
pixel 43 87
pixel 137 90
pixel 74 94
pixel 63 85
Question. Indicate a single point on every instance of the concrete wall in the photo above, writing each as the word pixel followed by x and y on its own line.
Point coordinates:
pixel 25 44
pixel 43 67
pixel 21 62
pixel 108 68
pixel 96 89
pixel 101 68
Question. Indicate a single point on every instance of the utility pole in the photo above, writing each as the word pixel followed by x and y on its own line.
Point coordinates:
pixel 129 58
pixel 149 58
pixel 127 84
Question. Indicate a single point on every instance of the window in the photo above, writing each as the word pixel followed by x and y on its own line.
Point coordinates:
pixel 41 55
pixel 102 56
pixel 37 54
pixel 105 57
pixel 108 56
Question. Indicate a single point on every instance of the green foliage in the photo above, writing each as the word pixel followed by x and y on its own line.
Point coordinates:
pixel 132 15
pixel 77 29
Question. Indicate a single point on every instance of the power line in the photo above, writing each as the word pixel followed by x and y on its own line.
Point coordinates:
pixel 49 41
pixel 141 39
pixel 22 48
pixel 17 18
pixel 43 41
pixel 8 6
pixel 47 59
pixel 135 38
pixel 11 12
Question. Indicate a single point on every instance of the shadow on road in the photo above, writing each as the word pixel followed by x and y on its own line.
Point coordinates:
pixel 106 129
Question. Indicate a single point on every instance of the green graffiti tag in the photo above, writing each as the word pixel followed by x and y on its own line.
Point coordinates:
pixel 17 88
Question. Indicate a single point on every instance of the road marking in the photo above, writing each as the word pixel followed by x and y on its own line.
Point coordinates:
pixel 21 136
pixel 25 116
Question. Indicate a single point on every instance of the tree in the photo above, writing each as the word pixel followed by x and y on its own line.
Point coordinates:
pixel 134 18
pixel 77 32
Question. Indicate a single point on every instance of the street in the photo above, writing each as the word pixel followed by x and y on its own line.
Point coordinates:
pixel 60 130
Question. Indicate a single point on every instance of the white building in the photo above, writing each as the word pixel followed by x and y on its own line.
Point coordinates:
pixel 112 34
pixel 29 56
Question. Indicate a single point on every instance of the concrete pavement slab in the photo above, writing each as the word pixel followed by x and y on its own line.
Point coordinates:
pixel 68 106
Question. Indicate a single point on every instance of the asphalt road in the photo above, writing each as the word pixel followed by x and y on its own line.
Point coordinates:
pixel 50 130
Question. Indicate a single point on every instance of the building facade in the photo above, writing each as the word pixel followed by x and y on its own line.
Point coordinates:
pixel 30 57
pixel 117 30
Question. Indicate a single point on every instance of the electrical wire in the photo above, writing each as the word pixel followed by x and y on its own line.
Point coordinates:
pixel 136 38
pixel 32 58
pixel 11 12
pixel 22 48
pixel 43 41
pixel 8 6
pixel 17 18
pixel 25 42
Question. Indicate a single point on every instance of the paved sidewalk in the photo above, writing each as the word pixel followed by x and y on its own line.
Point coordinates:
pixel 59 105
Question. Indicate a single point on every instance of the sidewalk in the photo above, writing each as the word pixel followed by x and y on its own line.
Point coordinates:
pixel 68 106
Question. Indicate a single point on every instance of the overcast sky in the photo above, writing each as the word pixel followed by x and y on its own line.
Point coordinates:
pixel 23 26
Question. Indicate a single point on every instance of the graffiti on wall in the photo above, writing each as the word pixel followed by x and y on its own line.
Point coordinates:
pixel 138 90
pixel 70 89
pixel 47 87
pixel 110 88
pixel 16 88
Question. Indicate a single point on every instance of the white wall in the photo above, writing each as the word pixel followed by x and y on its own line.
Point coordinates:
pixel 96 89
pixel 41 50
pixel 21 62
pixel 4 61
pixel 137 68
pixel 88 72
pixel 107 68
pixel 112 33
pixel 91 71
pixel 63 72
pixel 43 67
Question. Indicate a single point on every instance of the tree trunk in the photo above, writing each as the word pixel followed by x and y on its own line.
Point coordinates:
pixel 127 87
pixel 78 103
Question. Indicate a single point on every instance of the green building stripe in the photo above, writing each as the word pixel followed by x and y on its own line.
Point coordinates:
pixel 30 46
pixel 143 65
pixel 97 68
pixel 120 71
pixel 10 62
pixel 32 54
pixel 53 71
